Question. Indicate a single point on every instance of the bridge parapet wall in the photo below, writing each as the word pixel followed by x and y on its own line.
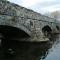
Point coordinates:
pixel 7 8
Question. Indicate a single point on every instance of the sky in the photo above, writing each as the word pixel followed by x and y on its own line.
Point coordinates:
pixel 40 6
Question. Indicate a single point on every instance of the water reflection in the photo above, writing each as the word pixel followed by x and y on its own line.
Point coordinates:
pixel 25 50
pixel 15 50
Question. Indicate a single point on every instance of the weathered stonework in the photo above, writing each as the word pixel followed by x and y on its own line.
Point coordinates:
pixel 27 20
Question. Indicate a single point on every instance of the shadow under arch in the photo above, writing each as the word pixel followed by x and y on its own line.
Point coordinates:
pixel 12 32
pixel 47 30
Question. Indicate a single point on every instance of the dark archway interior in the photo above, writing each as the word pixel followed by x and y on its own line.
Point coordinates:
pixel 12 32
pixel 46 28
pixel 47 31
pixel 57 27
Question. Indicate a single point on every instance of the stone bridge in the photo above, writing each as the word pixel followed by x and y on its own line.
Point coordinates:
pixel 19 23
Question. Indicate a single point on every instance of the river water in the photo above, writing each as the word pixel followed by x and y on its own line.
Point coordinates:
pixel 54 51
pixel 49 50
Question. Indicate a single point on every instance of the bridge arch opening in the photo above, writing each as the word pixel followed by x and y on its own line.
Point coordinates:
pixel 57 27
pixel 12 32
pixel 9 38
pixel 47 31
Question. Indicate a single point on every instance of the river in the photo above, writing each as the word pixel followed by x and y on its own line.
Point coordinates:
pixel 54 51
pixel 49 50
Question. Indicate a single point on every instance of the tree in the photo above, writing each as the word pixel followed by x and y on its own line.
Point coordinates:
pixel 55 14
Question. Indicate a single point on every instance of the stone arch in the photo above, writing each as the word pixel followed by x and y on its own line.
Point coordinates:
pixel 47 30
